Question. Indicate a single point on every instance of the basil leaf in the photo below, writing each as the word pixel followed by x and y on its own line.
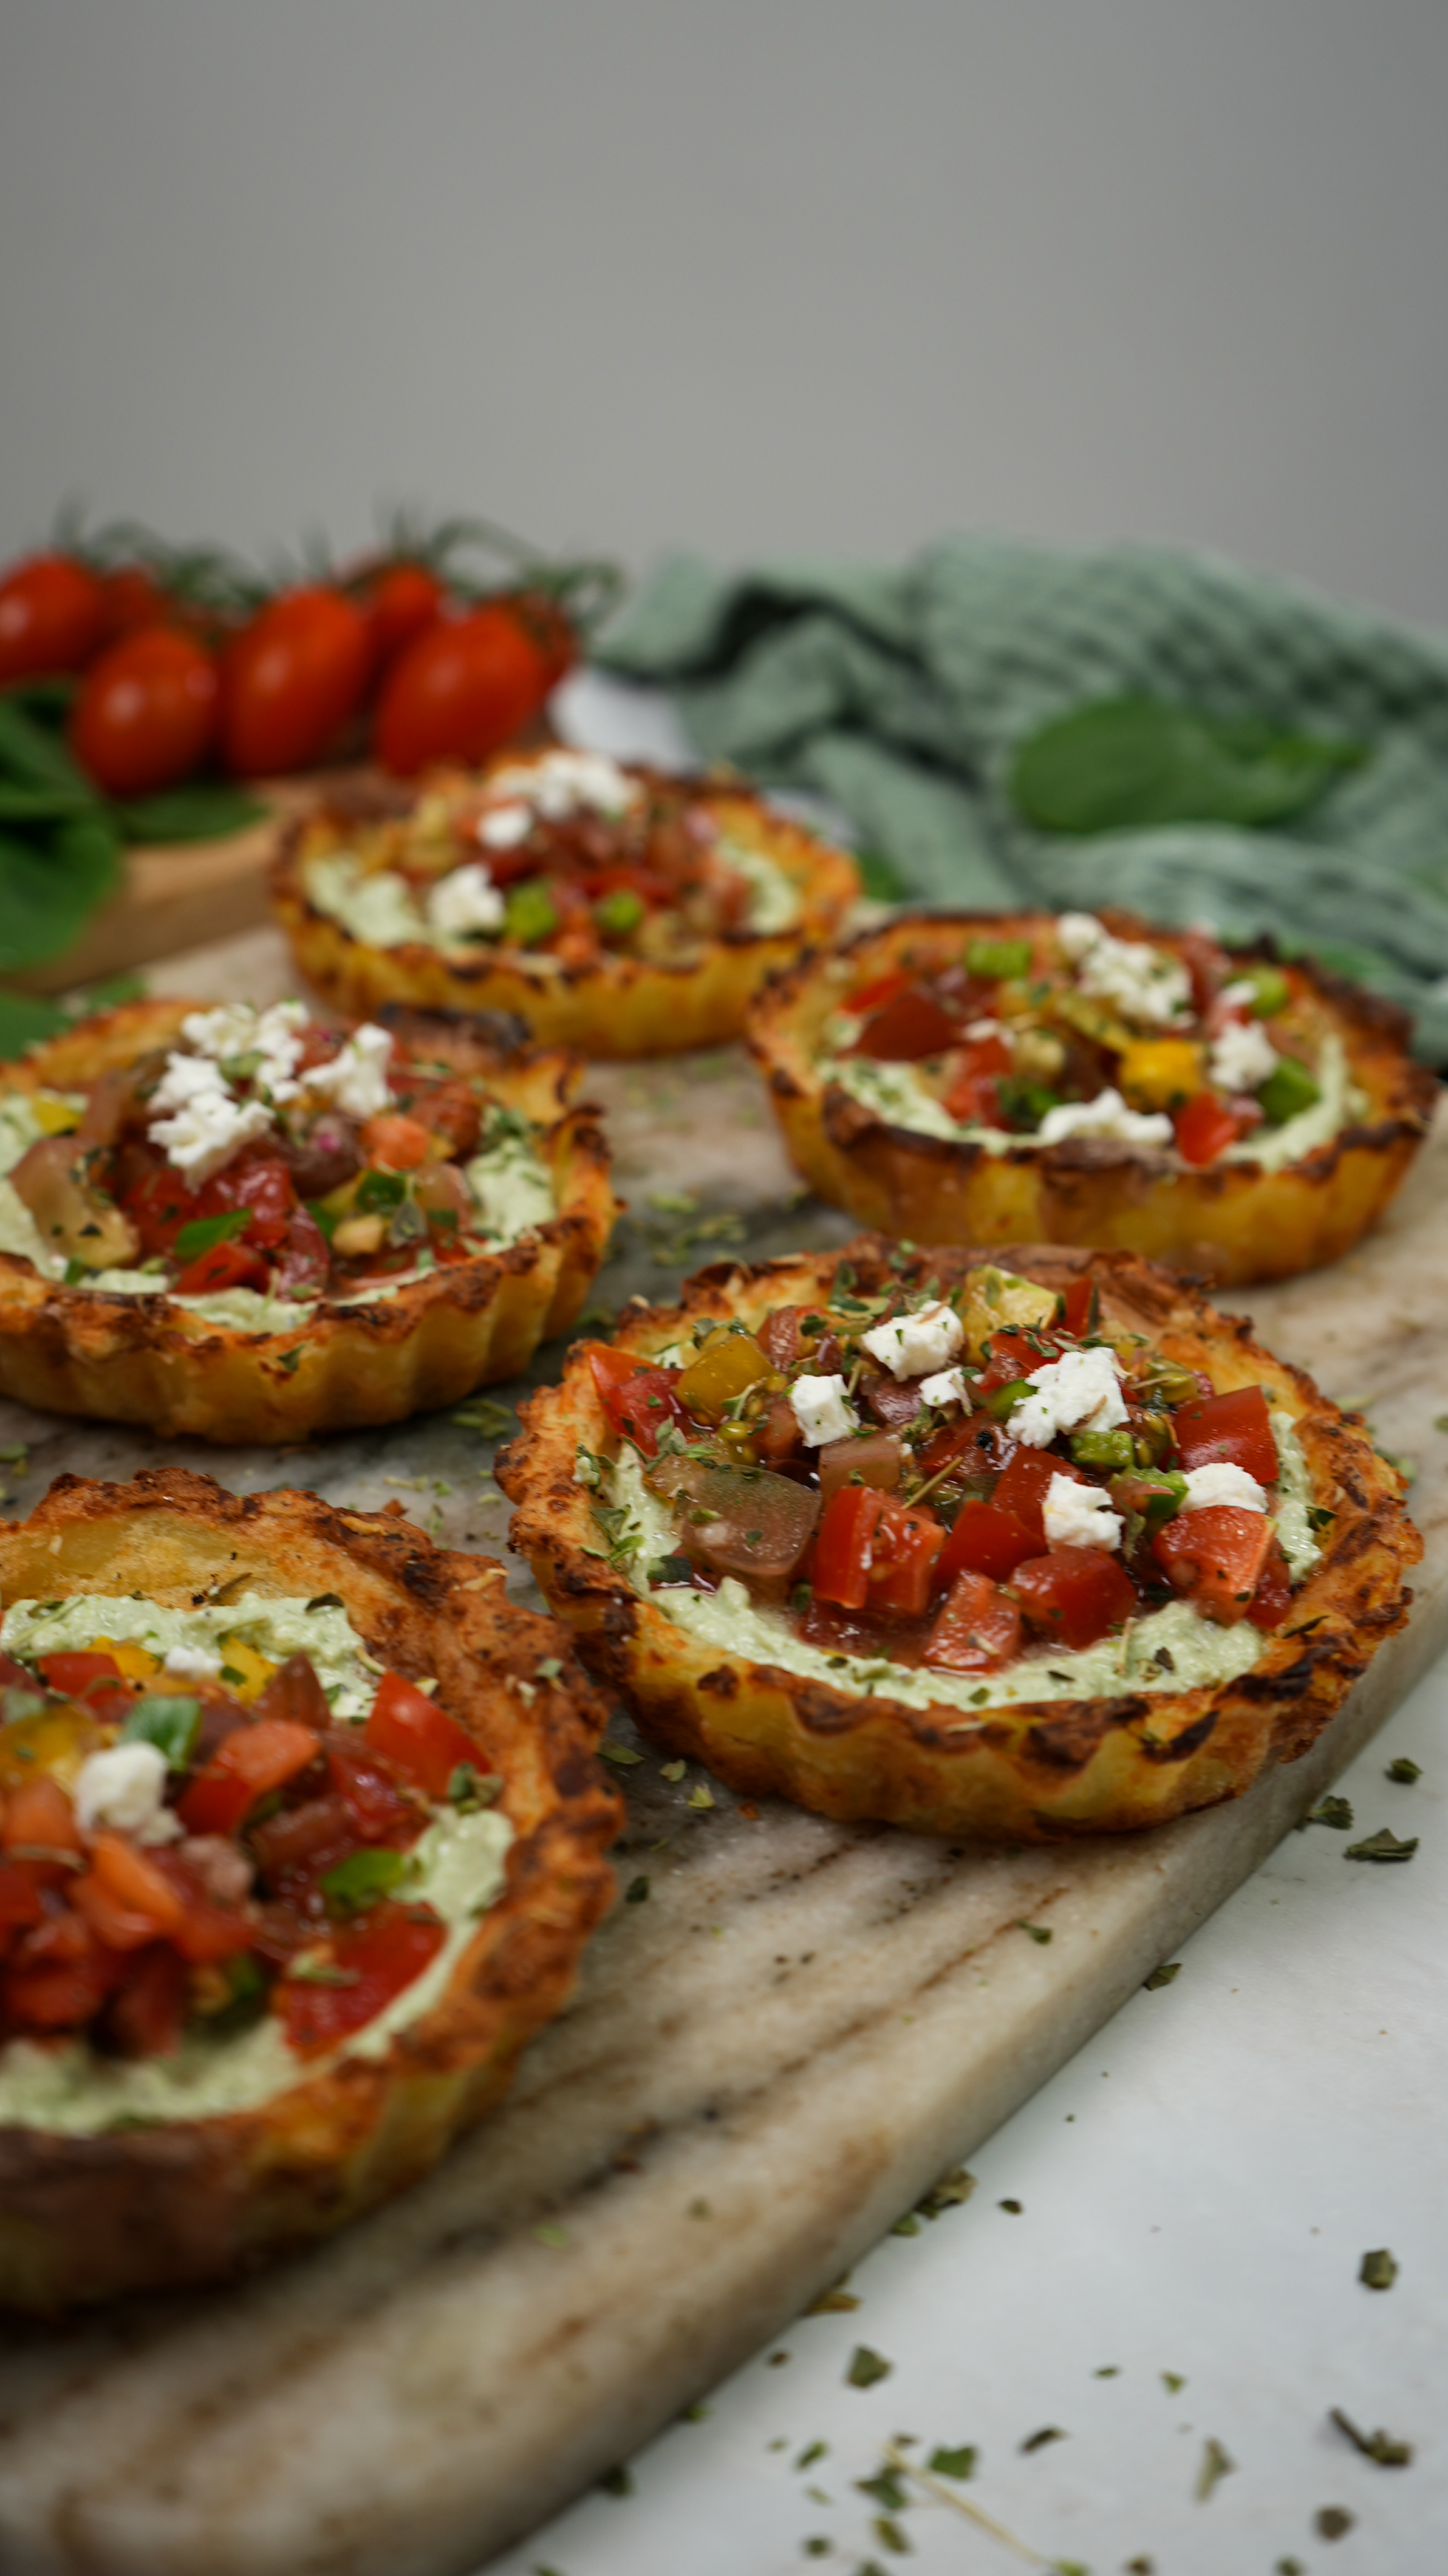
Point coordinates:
pixel 47 894
pixel 205 1231
pixel 364 1878
pixel 880 878
pixel 25 1019
pixel 380 1192
pixel 1125 764
pixel 167 1720
pixel 204 812
pixel 22 803
pixel 35 755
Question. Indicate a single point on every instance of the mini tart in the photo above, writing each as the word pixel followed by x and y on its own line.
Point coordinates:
pixel 152 1360
pixel 1228 1222
pixel 85 2217
pixel 1027 1771
pixel 617 1006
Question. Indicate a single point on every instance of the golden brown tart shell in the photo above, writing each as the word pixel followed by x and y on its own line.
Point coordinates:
pixel 187 2201
pixel 1225 1222
pixel 1035 1772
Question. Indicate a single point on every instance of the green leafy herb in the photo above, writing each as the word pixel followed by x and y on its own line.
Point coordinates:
pixel 1216 2464
pixel 47 892
pixel 1383 1845
pixel 1383 2447
pixel 1131 763
pixel 493 1420
pixel 1402 1767
pixel 890 2535
pixel 1037 1931
pixel 204 1232
pixel 326 1601
pixel 670 1573
pixel 908 2225
pixel 617 2482
pixel 202 812
pixel 1161 1976
pixel 865 2367
pixel 700 1796
pixel 311 1971
pixel 622 1756
pixel 1332 2521
pixel 530 915
pixel 1336 1812
pixel 957 2463
pixel 637 1891
pixel 834 2302
pixel 619 913
pixel 364 1878
pixel 997 961
pixel 1015 2208
pixel 470 1791
pixel 671 1770
pixel 1047 2433
pixel 380 1193
pixel 886 2489
pixel 1379 2269
pixel 1173 2382
pixel 951 2192
pixel 880 877
pixel 1287 1091
pixel 171 1723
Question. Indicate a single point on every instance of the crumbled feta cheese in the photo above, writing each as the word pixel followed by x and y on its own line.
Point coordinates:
pixel 1222 1482
pixel 228 1030
pixel 1243 1056
pixel 502 827
pixel 465 900
pixel 1077 1515
pixel 1143 982
pixel 356 1078
pixel 977 1031
pixel 124 1786
pixel 192 1663
pixel 1079 1388
pixel 948 1386
pixel 207 1125
pixel 909 1345
pixel 568 782
pixel 1238 997
pixel 273 1036
pixel 1106 1115
pixel 822 1410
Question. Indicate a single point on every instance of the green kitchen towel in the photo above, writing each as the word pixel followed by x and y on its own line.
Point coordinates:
pixel 907 695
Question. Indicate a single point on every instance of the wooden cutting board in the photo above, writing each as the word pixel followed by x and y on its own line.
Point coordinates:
pixel 773 2052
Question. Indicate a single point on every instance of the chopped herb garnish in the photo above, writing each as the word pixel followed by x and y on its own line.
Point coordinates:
pixel 636 1892
pixel 957 2463
pixel 291 1361
pixel 1331 2521
pixel 812 2451
pixel 1383 2447
pixel 615 2482
pixel 1216 2464
pixel 1383 1845
pixel 831 2303
pixel 1173 2382
pixel 951 2192
pixel 167 1720
pixel 1047 2433
pixel 364 1878
pixel 1161 1976
pixel 1336 1812
pixel 700 1796
pixel 622 1755
pixel 890 2535
pixel 205 1232
pixel 886 2489
pixel 326 1601
pixel 468 1790
pixel 308 1971
pixel 1037 1931
pixel 1017 2208
pixel 1404 1769
pixel 1378 2270
pixel 866 2366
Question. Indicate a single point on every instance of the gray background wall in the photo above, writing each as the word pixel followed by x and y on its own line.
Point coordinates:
pixel 757 274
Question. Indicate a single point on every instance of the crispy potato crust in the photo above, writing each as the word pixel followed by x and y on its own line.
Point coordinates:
pixel 84 2218
pixel 1036 1772
pixel 153 1360
pixel 622 1006
pixel 1226 1222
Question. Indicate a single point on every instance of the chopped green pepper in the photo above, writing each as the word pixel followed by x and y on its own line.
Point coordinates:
pixel 168 1720
pixel 1290 1089
pixel 996 961
pixel 530 915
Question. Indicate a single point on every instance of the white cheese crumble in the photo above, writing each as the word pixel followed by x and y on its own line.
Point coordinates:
pixel 356 1078
pixel 192 1663
pixel 567 782
pixel 1243 1056
pixel 1222 1482
pixel 124 1786
pixel 948 1386
pixel 502 827
pixel 1106 1115
pixel 207 1126
pixel 465 900
pixel 822 1410
pixel 1144 983
pixel 909 1345
pixel 1080 1387
pixel 1076 1515
pixel 235 1029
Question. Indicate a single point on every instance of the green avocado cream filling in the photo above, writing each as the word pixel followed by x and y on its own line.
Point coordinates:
pixel 1171 1649
pixel 459 1866
pixel 379 908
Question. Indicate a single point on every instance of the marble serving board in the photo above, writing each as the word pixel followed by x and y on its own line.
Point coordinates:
pixel 777 2046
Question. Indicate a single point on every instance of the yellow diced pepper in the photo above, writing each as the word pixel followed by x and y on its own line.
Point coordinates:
pixel 53 1115
pixel 727 1366
pixel 135 1662
pixel 56 1740
pixel 995 1298
pixel 1161 1073
pixel 240 1658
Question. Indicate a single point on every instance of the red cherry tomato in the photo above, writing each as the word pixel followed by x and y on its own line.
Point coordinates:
pixel 1235 1428
pixel 1218 1555
pixel 1024 1484
pixel 376 1957
pixel 290 680
pixel 1206 1127
pixel 906 1028
pixel 401 604
pixel 422 1740
pixel 146 714
pixel 986 1539
pixel 74 1672
pixel 52 618
pixel 978 1628
pixel 460 691
pixel 249 1762
pixel 637 1400
pixel 1077 1594
pixel 1273 1597
pixel 226 1265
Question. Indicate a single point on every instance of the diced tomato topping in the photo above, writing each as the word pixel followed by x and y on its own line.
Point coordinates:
pixel 421 1738
pixel 972 1096
pixel 147 2011
pixel 840 1567
pixel 265 1188
pixel 226 1265
pixel 136 1879
pixel 1273 1597
pixel 1013 1353
pixel 159 1204
pixel 19 1895
pixel 40 1820
pixel 1024 1484
pixel 1235 1427
pixel 1078 1594
pixel 975 1445
pixel 394 1143
pixel 871 997
pixel 906 1028
pixel 979 1627
pixel 1208 967
pixel 1205 1127
pixel 304 1841
pixel 987 1538
pixel 1081 1306
pixel 58 1976
pixel 377 1956
pixel 295 1693
pixel 75 1673
pixel 907 1540
pixel 638 1400
pixel 252 1761
pixel 1218 1556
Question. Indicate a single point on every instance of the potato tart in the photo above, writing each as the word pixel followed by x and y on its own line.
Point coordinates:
pixel 301 1838
pixel 243 1225
pixel 616 909
pixel 1021 1548
pixel 967 1078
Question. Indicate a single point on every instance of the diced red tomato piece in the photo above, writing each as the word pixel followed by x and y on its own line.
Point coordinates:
pixel 1235 1427
pixel 209 1933
pixel 264 1187
pixel 1024 1484
pixel 976 1444
pixel 906 1028
pixel 871 997
pixel 987 1538
pixel 226 1265
pixel 147 2010
pixel 58 1977
pixel 638 1400
pixel 1205 1127
pixel 379 1954
pixel 159 1204
pixel 75 1673
pixel 19 1896
pixel 1081 1306
pixel 1078 1594
pixel 1273 1597
pixel 394 1143
pixel 39 1820
pixel 977 1069
pixel 252 1761
pixel 295 1693
pixel 907 1540
pixel 840 1567
pixel 1218 1556
pixel 979 1627
pixel 421 1738
pixel 136 1880
pixel 1013 1353
pixel 306 1840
